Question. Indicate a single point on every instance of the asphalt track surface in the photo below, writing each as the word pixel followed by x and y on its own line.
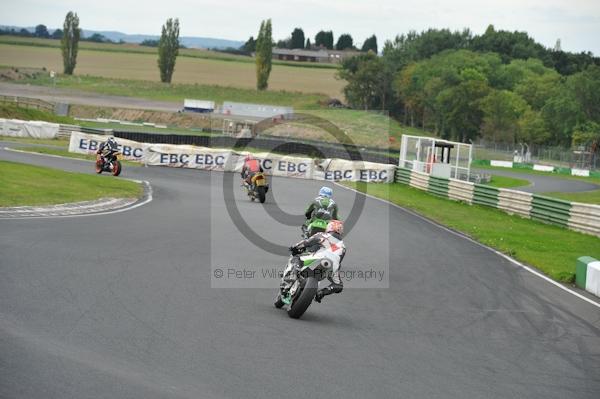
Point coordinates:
pixel 59 95
pixel 543 184
pixel 121 306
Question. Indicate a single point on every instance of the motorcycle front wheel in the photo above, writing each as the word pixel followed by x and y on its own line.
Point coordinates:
pixel 304 299
pixel 116 168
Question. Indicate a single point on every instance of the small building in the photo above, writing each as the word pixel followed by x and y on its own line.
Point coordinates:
pixel 255 110
pixel 436 157
pixel 201 106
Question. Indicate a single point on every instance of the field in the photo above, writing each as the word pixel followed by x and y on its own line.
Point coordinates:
pixel 136 48
pixel 206 71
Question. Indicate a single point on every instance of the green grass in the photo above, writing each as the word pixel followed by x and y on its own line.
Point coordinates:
pixel 507 182
pixel 22 184
pixel 142 129
pixel 551 249
pixel 591 179
pixel 31 114
pixel 66 153
pixel 25 140
pixel 587 197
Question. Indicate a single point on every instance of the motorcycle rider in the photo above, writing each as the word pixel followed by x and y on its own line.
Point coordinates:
pixel 329 243
pixel 251 166
pixel 108 147
pixel 322 207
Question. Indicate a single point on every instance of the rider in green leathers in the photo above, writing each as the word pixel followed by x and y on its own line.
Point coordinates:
pixel 323 207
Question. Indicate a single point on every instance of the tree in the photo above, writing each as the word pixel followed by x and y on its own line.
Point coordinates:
pixel 149 43
pixel 587 133
pixel 344 42
pixel 297 38
pixel 502 110
pixel 264 55
pixel 168 49
pixel 97 38
pixel 284 43
pixel 324 39
pixel 532 129
pixel 369 81
pixel 370 44
pixel 70 42
pixel 42 31
pixel 585 87
pixel 308 45
pixel 561 114
pixel 57 34
pixel 250 45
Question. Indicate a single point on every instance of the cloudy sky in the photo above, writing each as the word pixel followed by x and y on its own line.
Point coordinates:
pixel 575 22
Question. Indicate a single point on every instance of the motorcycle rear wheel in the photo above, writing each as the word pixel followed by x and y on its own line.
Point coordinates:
pixel 304 299
pixel 262 194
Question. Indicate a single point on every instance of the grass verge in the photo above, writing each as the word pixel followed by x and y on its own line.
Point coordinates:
pixel 30 114
pixel 507 182
pixel 153 90
pixel 66 153
pixel 551 249
pixel 590 179
pixel 22 184
pixel 26 140
pixel 587 197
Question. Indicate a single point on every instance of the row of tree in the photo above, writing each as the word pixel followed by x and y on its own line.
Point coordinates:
pixel 168 46
pixel 500 85
pixel 41 31
pixel 323 39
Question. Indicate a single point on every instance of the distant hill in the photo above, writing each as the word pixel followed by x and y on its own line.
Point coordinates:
pixel 188 41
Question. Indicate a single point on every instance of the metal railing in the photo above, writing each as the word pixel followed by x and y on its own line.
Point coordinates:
pixel 25 102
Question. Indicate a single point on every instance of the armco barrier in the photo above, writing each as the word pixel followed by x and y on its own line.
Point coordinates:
pixel 587 274
pixel 485 195
pixel 584 218
pixel 550 210
pixel 438 186
pixel 403 175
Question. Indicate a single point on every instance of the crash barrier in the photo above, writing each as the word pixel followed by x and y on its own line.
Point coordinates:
pixel 311 148
pixel 572 215
pixel 65 130
pixel 587 274
pixel 227 160
pixel 31 129
pixel 538 167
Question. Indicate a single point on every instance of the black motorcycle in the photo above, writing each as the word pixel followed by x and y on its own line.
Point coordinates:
pixel 108 163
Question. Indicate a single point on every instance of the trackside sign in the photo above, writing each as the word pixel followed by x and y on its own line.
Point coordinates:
pixel 225 160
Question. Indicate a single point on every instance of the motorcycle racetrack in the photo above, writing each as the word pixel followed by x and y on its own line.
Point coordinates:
pixel 125 306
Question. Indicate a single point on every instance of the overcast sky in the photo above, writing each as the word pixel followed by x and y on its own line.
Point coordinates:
pixel 575 22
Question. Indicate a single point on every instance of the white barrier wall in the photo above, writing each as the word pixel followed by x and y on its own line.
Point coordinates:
pixel 503 164
pixel 226 160
pixel 32 129
pixel 84 143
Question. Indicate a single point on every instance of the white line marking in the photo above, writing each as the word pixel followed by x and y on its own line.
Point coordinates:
pixel 456 233
pixel 127 208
